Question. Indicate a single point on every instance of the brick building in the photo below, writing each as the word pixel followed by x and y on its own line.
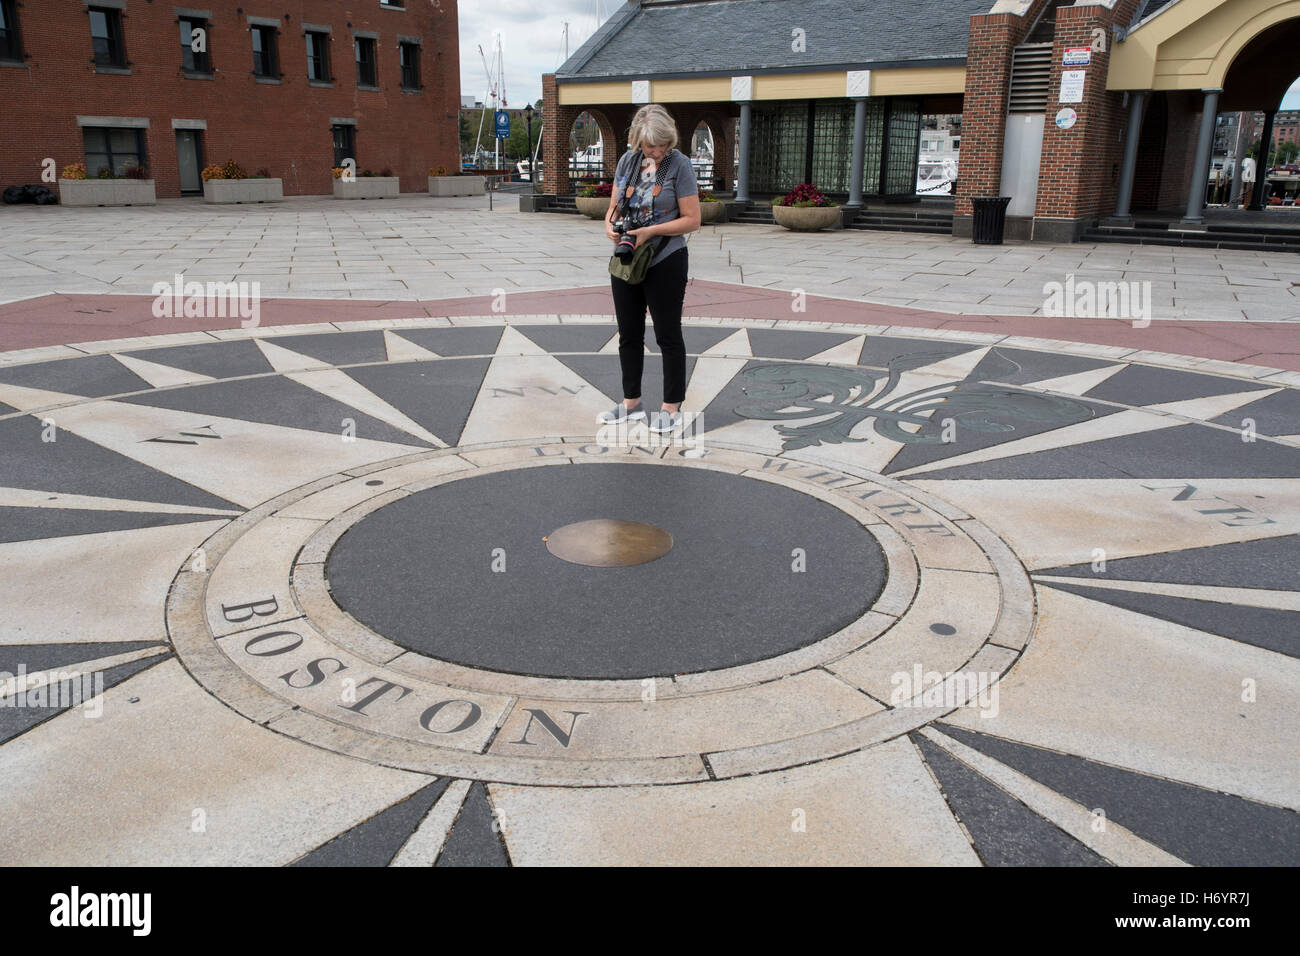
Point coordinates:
pixel 289 86
pixel 1081 111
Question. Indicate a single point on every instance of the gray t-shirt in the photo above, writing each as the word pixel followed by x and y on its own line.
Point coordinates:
pixel 679 180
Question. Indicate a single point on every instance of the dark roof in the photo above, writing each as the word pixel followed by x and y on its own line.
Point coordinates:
pixel 1150 8
pixel 655 37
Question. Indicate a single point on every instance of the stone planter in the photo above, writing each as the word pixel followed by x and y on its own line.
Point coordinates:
pixel 806 218
pixel 711 212
pixel 107 192
pixel 593 207
pixel 367 187
pixel 456 186
pixel 243 190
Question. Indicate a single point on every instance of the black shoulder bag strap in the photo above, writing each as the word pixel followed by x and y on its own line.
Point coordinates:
pixel 661 173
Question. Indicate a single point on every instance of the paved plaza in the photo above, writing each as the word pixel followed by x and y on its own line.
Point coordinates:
pixel 418 248
pixel 930 577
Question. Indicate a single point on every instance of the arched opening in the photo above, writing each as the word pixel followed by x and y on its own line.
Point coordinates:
pixel 1242 171
pixel 712 152
pixel 1150 173
pixel 700 151
pixel 588 142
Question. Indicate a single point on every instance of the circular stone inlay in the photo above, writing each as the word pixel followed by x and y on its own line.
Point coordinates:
pixel 459 572
pixel 609 543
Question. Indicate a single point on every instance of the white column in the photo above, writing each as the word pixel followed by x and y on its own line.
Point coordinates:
pixel 742 92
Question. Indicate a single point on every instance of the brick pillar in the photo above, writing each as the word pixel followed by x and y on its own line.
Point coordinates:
pixel 555 138
pixel 1078 180
pixel 983 115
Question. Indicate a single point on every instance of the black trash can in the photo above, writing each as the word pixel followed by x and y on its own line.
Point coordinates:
pixel 990 219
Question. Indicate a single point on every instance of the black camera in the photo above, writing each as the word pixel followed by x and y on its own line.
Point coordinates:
pixel 626 244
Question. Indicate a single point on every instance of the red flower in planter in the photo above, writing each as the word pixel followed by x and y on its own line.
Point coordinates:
pixel 804 195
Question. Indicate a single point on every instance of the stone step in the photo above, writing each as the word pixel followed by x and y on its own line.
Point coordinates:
pixel 934 229
pixel 1193 240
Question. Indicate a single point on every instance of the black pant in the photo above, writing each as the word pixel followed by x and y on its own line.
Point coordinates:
pixel 663 292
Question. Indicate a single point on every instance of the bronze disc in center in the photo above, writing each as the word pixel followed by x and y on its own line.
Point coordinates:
pixel 609 543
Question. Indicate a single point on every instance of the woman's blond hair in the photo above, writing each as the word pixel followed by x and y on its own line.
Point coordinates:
pixel 652 125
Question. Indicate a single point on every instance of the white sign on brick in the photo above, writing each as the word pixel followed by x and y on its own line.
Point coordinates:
pixel 742 88
pixel 640 91
pixel 1072 86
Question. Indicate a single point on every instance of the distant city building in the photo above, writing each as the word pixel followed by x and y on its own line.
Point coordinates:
pixel 137 85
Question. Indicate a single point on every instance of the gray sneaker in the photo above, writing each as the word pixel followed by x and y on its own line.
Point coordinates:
pixel 661 422
pixel 621 413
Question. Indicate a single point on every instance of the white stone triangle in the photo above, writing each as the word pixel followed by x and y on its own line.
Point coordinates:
pixel 404 350
pixel 737 343
pixel 27 498
pixel 1113 842
pixel 1079 382
pixel 108 586
pixel 953 368
pixel 423 846
pixel 161 376
pixel 846 353
pixel 239 765
pixel 514 342
pixel 78 671
pixel 29 399
pixel 286 360
pixel 1213 406
pixel 243 462
pixel 1059 522
pixel 533 396
pixel 338 385
pixel 709 377
pixel 1246 597
pixel 1131 422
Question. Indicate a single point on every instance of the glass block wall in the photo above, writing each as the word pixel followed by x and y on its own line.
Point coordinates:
pixel 832 143
pixel 778 146
pixel 904 145
pixel 785 134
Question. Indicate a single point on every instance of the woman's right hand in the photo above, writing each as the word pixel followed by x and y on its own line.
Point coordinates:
pixel 609 231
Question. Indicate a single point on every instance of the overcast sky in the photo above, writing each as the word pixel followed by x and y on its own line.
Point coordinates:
pixel 532 36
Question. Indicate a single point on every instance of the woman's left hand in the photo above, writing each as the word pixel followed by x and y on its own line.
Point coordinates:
pixel 641 234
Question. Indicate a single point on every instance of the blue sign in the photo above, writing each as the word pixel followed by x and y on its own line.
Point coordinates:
pixel 503 124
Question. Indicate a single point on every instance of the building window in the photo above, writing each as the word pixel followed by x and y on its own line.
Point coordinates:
pixel 194 45
pixel 366 75
pixel 11 47
pixel 345 144
pixel 114 149
pixel 409 53
pixel 318 57
pixel 265 62
pixel 399 4
pixel 106 34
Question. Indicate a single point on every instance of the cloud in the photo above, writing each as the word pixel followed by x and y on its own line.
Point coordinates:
pixel 1292 99
pixel 532 37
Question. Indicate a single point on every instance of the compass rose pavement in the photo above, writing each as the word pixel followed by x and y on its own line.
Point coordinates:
pixel 284 596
